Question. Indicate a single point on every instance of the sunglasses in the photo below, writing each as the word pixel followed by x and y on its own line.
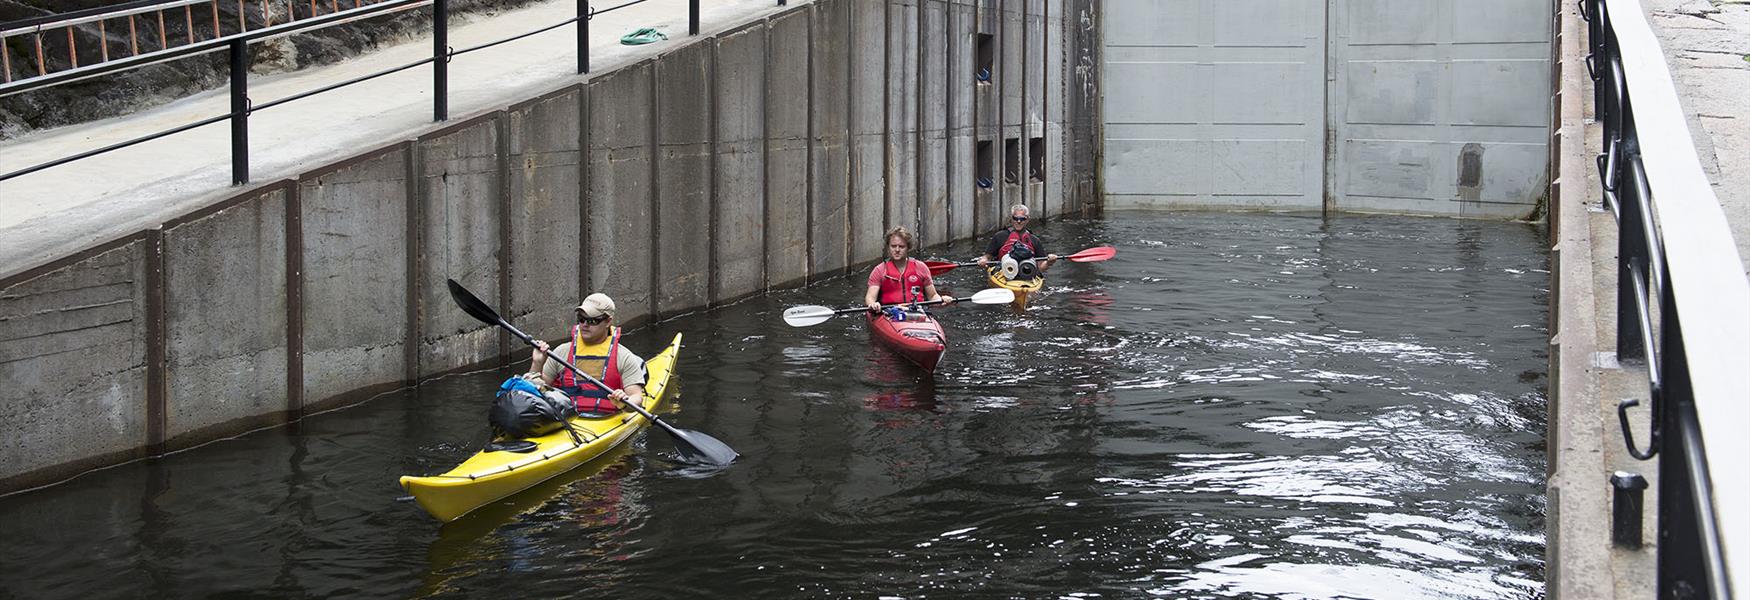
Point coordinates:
pixel 1019 219
pixel 592 320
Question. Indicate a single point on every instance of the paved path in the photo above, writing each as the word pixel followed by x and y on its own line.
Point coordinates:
pixel 1707 44
pixel 60 210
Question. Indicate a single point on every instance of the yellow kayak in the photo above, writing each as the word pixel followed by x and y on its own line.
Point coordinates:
pixel 1021 288
pixel 490 476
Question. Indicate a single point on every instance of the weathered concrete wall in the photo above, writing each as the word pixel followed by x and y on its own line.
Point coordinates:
pixel 868 122
pixel 961 130
pixel 619 227
pixel 1011 148
pixel 461 213
pixel 760 157
pixel 546 182
pixel 683 179
pixel 830 170
pixel 987 121
pixel 738 213
pixel 787 148
pixel 1082 102
pixel 225 315
pixel 1032 53
pixel 355 312
pixel 73 354
pixel 932 154
pixel 902 114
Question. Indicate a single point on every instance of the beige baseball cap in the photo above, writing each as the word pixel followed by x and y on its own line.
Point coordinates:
pixel 596 305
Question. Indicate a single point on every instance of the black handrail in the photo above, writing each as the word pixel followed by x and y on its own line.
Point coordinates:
pixel 1691 563
pixel 237 47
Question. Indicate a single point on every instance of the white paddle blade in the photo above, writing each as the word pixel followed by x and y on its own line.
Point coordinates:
pixel 803 316
pixel 993 296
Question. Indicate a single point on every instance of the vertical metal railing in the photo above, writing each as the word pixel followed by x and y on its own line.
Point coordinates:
pixel 239 112
pixel 440 60
pixel 1650 321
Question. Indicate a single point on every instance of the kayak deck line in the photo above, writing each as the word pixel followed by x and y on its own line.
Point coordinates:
pixel 542 458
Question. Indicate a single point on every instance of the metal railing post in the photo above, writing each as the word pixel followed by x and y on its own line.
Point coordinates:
pixel 1631 240
pixel 583 17
pixel 440 60
pixel 239 112
pixel 692 17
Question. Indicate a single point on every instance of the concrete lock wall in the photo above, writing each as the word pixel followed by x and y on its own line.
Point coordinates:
pixel 771 154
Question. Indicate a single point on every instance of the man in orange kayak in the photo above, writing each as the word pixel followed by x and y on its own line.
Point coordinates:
pixel 900 278
pixel 1016 242
pixel 595 349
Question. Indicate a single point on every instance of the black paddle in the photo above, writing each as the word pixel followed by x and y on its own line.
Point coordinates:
pixel 693 446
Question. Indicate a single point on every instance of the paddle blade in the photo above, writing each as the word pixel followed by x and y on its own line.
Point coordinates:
pixel 1093 254
pixel 472 305
pixel 992 296
pixel 803 316
pixel 698 448
pixel 938 267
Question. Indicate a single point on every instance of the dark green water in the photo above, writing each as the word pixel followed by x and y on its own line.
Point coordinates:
pixel 1236 405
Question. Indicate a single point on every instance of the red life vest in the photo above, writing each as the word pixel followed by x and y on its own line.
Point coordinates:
pixel 587 396
pixel 906 286
pixel 1022 237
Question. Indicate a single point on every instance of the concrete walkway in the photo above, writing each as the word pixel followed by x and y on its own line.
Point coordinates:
pixel 54 212
pixel 1707 44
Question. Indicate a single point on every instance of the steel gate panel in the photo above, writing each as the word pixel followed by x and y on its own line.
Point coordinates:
pixel 1435 107
pixel 1214 103
pixel 1439 107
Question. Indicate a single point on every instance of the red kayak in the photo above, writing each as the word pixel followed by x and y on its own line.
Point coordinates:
pixel 919 339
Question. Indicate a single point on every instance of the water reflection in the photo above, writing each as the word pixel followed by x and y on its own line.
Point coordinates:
pixel 587 509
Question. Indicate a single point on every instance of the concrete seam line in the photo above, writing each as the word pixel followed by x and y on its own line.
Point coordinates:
pixel 886 119
pixel 294 222
pixel 583 189
pixel 766 155
pixel 501 188
pixel 584 156
pixel 917 116
pixel 654 145
pixel 948 117
pixel 714 198
pixel 848 141
pixel 157 378
pixel 414 262
pixel 808 128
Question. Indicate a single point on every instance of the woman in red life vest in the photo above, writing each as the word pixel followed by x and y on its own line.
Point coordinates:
pixel 1004 242
pixel 595 349
pixel 900 278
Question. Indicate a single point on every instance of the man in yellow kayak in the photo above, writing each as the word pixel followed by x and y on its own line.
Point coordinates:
pixel 595 349
pixel 1014 241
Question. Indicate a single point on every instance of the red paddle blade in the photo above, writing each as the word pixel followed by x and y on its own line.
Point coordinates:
pixel 1096 254
pixel 938 267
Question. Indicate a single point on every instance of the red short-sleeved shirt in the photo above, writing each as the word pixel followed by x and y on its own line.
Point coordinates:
pixel 898 287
